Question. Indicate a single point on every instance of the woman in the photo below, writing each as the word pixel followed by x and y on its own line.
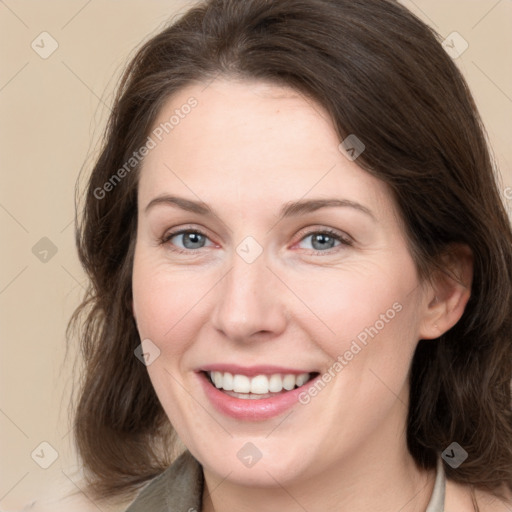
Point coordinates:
pixel 301 271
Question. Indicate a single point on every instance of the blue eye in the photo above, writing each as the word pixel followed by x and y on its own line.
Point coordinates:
pixel 323 241
pixel 191 240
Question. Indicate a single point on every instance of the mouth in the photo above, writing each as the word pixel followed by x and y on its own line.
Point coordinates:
pixel 254 393
pixel 257 387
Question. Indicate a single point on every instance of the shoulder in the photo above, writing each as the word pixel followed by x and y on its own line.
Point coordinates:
pixel 458 499
pixel 490 503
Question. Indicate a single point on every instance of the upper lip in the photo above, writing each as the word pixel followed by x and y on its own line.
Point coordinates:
pixel 252 371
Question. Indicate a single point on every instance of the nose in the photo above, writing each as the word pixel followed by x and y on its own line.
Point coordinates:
pixel 251 302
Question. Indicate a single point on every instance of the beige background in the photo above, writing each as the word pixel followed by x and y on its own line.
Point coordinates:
pixel 52 111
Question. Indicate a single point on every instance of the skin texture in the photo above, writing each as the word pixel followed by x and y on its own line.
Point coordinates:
pixel 247 149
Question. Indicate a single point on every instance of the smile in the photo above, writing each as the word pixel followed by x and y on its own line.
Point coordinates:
pixel 260 386
pixel 255 394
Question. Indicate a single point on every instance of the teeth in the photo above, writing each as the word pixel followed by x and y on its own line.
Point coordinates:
pixel 275 383
pixel 226 381
pixel 289 382
pixel 260 384
pixel 217 379
pixel 241 383
pixel 302 379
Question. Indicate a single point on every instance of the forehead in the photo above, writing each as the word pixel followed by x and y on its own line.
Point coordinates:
pixel 253 139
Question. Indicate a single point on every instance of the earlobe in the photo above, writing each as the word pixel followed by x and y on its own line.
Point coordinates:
pixel 449 293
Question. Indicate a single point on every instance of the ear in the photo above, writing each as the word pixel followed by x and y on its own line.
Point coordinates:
pixel 448 293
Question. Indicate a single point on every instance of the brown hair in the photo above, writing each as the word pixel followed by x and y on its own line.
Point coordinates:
pixel 383 75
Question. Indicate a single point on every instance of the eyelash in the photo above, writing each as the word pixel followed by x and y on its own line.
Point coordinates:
pixel 344 241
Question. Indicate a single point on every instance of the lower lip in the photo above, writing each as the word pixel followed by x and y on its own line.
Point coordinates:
pixel 252 410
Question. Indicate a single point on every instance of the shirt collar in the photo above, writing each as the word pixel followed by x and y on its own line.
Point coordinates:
pixel 178 489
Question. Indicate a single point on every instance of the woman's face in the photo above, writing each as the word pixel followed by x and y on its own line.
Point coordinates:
pixel 265 280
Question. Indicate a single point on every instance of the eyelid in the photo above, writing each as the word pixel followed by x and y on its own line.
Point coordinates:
pixel 310 230
pixel 171 233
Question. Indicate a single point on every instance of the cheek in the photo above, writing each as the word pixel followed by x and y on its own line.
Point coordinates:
pixel 166 303
pixel 376 327
pixel 359 304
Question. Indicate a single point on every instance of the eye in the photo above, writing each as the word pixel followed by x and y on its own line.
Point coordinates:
pixel 326 239
pixel 190 239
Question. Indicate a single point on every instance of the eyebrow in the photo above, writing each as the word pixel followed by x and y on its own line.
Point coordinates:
pixel 290 209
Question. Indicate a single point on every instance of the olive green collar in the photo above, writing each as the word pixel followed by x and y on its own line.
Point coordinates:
pixel 178 489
